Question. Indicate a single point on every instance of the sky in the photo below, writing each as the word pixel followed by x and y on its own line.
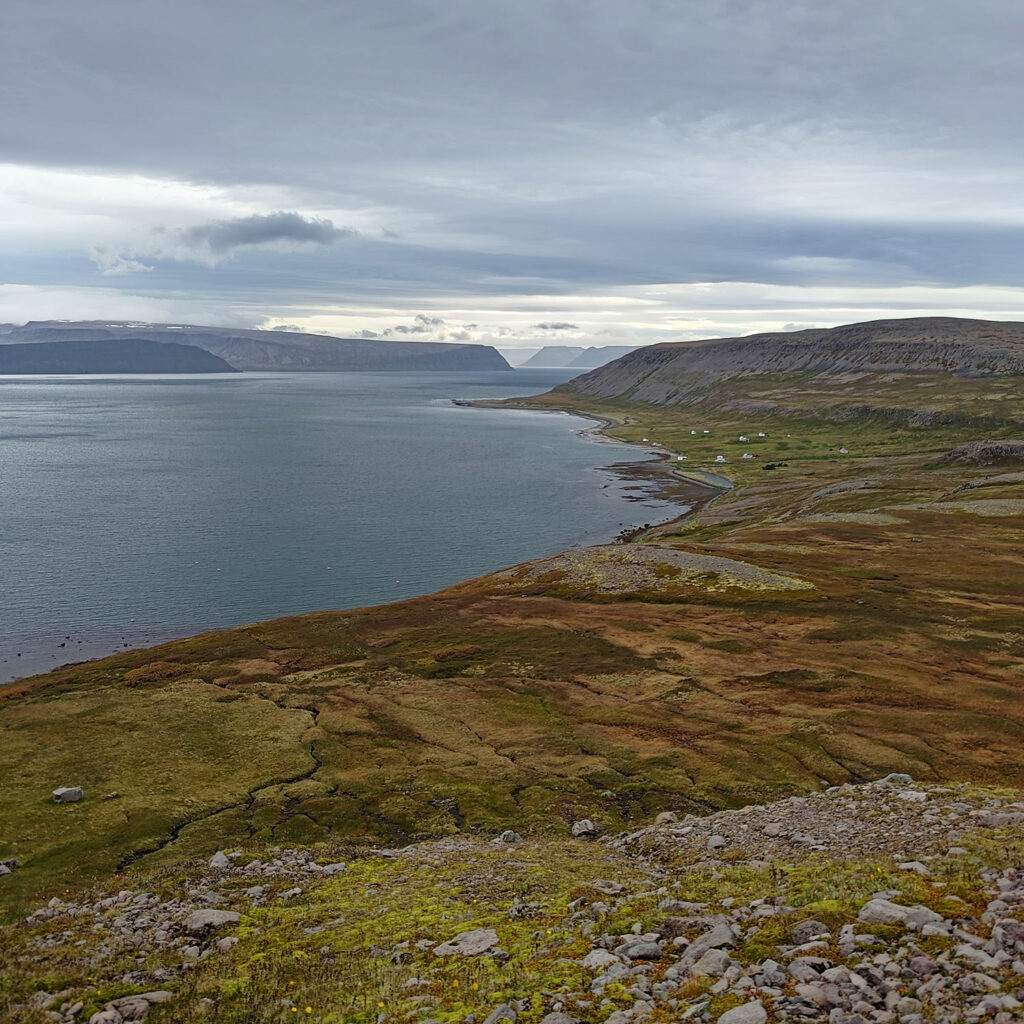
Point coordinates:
pixel 514 172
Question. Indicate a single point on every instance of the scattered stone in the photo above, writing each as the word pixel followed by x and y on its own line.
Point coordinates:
pixel 749 1013
pixel 509 836
pixel 898 779
pixel 882 911
pixel 219 861
pixel 805 931
pixel 202 921
pixel 471 943
pixel 68 795
pixel 717 843
pixel 915 866
pixel 598 960
pixel 502 1012
pixel 585 829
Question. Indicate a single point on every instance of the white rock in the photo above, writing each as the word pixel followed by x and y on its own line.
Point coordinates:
pixel 219 861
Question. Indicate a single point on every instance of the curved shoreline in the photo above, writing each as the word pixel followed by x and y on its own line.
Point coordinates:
pixel 689 493
pixel 661 465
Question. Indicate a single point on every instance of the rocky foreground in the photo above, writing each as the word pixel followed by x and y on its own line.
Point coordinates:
pixel 879 903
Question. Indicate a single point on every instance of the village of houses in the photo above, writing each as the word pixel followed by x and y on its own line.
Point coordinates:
pixel 719 459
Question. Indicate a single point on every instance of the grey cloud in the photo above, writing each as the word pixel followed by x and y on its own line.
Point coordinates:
pixel 530 148
pixel 556 326
pixel 224 236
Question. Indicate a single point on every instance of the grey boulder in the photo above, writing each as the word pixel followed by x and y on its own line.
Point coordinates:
pixel 881 911
pixel 68 794
pixel 473 943
pixel 200 921
pixel 748 1013
pixel 584 829
pixel 502 1012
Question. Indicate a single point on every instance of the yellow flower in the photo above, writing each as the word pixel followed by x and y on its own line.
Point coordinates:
pixel 455 983
pixel 309 1009
pixel 380 1004
pixel 294 1010
pixel 476 985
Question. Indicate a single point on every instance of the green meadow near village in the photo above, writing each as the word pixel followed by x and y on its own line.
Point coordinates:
pixel 552 751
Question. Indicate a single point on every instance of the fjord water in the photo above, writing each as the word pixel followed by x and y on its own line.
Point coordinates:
pixel 138 509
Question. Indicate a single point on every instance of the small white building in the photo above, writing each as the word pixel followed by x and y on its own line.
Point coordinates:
pixel 743 437
pixel 707 431
pixel 719 458
pixel 747 455
pixel 680 458
pixel 761 433
pixel 844 451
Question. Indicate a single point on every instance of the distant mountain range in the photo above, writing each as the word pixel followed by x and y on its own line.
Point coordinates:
pixel 577 356
pixel 241 349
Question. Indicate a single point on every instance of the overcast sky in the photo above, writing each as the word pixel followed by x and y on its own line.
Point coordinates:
pixel 511 171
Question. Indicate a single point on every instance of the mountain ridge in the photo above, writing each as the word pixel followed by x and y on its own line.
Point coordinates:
pixel 674 373
pixel 254 350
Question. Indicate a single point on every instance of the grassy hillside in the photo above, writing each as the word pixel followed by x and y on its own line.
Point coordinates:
pixel 828 620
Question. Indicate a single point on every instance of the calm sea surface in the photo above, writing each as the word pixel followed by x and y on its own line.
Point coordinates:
pixel 137 509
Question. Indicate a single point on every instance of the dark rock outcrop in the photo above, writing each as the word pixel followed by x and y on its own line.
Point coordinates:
pixel 987 452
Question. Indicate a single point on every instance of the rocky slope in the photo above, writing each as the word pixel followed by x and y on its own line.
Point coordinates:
pixel 271 350
pixel 673 374
pixel 117 355
pixel 875 904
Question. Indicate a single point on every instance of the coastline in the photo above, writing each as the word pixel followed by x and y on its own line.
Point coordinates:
pixel 696 489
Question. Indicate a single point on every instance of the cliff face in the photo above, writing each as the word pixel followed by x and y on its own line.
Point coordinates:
pixel 272 350
pixel 672 373
pixel 120 355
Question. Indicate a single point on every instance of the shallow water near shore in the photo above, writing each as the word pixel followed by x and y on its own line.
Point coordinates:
pixel 140 509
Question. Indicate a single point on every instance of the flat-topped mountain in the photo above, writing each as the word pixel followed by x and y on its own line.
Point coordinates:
pixel 270 350
pixel 116 355
pixel 671 374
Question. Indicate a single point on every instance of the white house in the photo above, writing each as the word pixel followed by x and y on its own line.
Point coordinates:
pixel 743 437
pixel 719 458
pixel 747 455
pixel 844 451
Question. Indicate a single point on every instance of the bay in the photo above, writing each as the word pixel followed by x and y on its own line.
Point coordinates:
pixel 137 509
